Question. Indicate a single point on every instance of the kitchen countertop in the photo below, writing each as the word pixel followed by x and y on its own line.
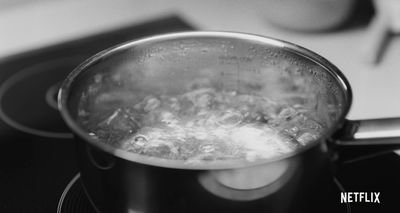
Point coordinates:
pixel 43 23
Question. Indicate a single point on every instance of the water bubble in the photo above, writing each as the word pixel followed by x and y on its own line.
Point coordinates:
pixel 287 113
pixel 93 135
pixel 229 118
pixel 306 138
pixel 139 140
pixel 83 113
pixel 204 50
pixel 207 148
pixel 152 104
pixel 98 78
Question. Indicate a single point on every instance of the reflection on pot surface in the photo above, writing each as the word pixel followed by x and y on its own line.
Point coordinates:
pixel 247 184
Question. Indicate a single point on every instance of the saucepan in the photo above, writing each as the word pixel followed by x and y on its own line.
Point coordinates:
pixel 306 96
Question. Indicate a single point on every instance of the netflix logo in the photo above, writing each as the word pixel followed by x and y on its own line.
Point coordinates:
pixel 359 197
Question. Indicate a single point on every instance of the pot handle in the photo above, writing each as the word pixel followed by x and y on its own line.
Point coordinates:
pixel 359 139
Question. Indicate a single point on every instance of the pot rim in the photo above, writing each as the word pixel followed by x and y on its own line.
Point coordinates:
pixel 217 164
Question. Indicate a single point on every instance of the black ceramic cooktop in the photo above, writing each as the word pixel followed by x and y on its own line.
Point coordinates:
pixel 37 154
pixel 38 171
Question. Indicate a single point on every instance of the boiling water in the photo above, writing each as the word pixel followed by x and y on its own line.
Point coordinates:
pixel 201 124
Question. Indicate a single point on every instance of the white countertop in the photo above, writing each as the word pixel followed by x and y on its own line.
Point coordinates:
pixel 376 88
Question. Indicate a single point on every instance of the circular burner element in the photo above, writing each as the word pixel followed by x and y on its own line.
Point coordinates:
pixel 28 98
pixel 74 199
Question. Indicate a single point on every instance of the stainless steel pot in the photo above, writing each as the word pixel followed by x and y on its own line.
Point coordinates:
pixel 118 181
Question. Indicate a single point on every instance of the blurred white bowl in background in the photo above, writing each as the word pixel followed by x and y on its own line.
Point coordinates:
pixel 307 15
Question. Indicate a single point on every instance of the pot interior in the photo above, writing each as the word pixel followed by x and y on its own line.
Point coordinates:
pixel 101 98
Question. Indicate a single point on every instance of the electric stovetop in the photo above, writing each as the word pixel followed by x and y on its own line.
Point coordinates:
pixel 38 168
